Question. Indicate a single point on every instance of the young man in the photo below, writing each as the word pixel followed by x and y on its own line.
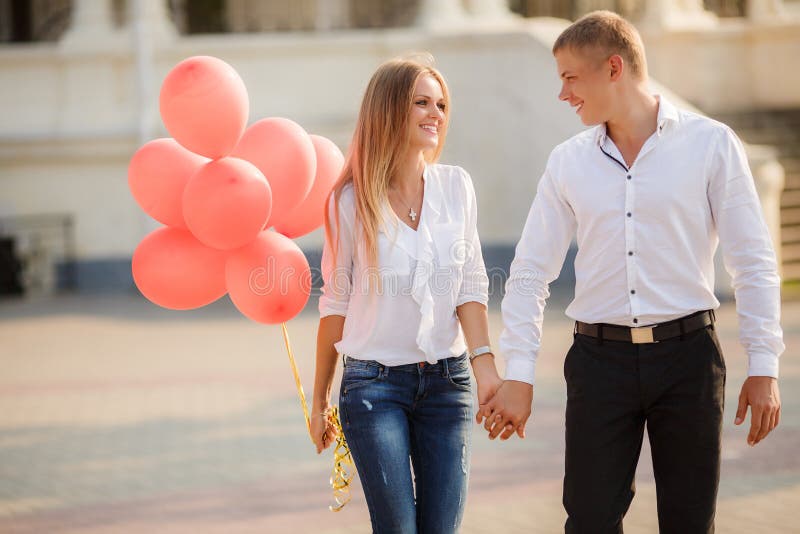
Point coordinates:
pixel 649 191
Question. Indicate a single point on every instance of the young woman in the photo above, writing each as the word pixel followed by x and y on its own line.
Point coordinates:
pixel 404 297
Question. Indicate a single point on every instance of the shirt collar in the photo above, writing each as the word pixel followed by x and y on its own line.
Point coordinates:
pixel 600 134
pixel 434 195
pixel 667 114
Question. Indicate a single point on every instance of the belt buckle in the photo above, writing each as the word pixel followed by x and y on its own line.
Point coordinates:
pixel 642 334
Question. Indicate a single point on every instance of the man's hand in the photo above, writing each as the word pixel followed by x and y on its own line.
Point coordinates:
pixel 762 395
pixel 508 410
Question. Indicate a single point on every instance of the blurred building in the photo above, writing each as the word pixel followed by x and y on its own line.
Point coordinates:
pixel 80 82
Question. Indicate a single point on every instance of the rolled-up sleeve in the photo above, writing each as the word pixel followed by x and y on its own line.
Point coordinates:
pixel 537 262
pixel 337 271
pixel 748 255
pixel 475 283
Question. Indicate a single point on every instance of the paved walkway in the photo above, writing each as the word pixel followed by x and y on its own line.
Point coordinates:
pixel 117 416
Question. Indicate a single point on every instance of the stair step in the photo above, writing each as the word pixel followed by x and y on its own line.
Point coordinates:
pixel 792 181
pixel 790 198
pixel 790 271
pixel 791 250
pixel 790 215
pixel 790 165
pixel 790 234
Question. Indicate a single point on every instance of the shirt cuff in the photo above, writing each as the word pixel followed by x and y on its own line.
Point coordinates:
pixel 480 299
pixel 521 370
pixel 763 364
pixel 328 313
pixel 331 307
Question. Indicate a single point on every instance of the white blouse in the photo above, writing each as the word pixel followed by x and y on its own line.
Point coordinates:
pixel 404 311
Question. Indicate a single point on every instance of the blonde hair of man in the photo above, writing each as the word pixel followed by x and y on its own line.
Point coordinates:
pixel 603 34
pixel 380 139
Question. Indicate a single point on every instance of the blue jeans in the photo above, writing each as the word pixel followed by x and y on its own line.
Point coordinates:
pixel 404 416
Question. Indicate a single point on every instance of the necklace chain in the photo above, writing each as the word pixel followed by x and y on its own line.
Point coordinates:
pixel 411 213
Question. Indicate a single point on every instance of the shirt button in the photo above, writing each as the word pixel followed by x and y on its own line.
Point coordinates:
pixel 633 291
pixel 630 253
pixel 635 320
pixel 629 177
pixel 630 214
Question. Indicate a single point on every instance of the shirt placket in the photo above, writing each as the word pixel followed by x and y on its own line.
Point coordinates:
pixel 630 243
pixel 634 295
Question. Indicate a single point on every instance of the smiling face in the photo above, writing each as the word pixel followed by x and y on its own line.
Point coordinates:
pixel 427 114
pixel 586 84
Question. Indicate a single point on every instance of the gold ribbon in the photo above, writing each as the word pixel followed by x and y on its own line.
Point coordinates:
pixel 343 467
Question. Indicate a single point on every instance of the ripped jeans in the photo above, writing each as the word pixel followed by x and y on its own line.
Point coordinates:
pixel 404 417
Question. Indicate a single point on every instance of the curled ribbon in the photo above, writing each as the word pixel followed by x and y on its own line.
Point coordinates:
pixel 343 467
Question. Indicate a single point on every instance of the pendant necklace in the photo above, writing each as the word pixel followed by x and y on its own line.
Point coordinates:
pixel 411 213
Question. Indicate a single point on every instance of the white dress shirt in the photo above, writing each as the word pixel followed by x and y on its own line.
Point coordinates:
pixel 646 238
pixel 423 274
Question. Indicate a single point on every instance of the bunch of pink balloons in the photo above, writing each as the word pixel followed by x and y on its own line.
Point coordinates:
pixel 218 186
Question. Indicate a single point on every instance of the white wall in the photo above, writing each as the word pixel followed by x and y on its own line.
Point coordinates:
pixel 70 111
pixel 70 118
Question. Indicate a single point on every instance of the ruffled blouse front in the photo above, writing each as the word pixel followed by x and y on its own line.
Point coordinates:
pixel 404 311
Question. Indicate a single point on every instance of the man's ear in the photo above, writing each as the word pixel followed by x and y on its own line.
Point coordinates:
pixel 617 65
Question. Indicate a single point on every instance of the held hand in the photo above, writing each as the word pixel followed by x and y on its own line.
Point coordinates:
pixel 508 410
pixel 487 378
pixel 323 432
pixel 487 389
pixel 761 393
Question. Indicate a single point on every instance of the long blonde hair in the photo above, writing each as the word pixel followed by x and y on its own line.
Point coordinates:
pixel 380 138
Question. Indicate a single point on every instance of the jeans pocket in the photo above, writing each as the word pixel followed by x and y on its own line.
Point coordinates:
pixel 458 374
pixel 359 374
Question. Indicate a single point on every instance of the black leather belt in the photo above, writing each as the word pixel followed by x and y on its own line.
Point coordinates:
pixel 647 334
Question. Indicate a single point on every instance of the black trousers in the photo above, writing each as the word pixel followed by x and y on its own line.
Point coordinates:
pixel 676 388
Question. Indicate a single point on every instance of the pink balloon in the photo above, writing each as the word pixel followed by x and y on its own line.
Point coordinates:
pixel 157 175
pixel 309 215
pixel 226 203
pixel 283 151
pixel 174 270
pixel 269 280
pixel 204 105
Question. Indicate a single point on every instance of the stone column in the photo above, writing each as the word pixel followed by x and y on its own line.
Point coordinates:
pixel 155 18
pixel 677 14
pixel 489 9
pixel 151 28
pixel 760 10
pixel 91 25
pixel 332 14
pixel 440 14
